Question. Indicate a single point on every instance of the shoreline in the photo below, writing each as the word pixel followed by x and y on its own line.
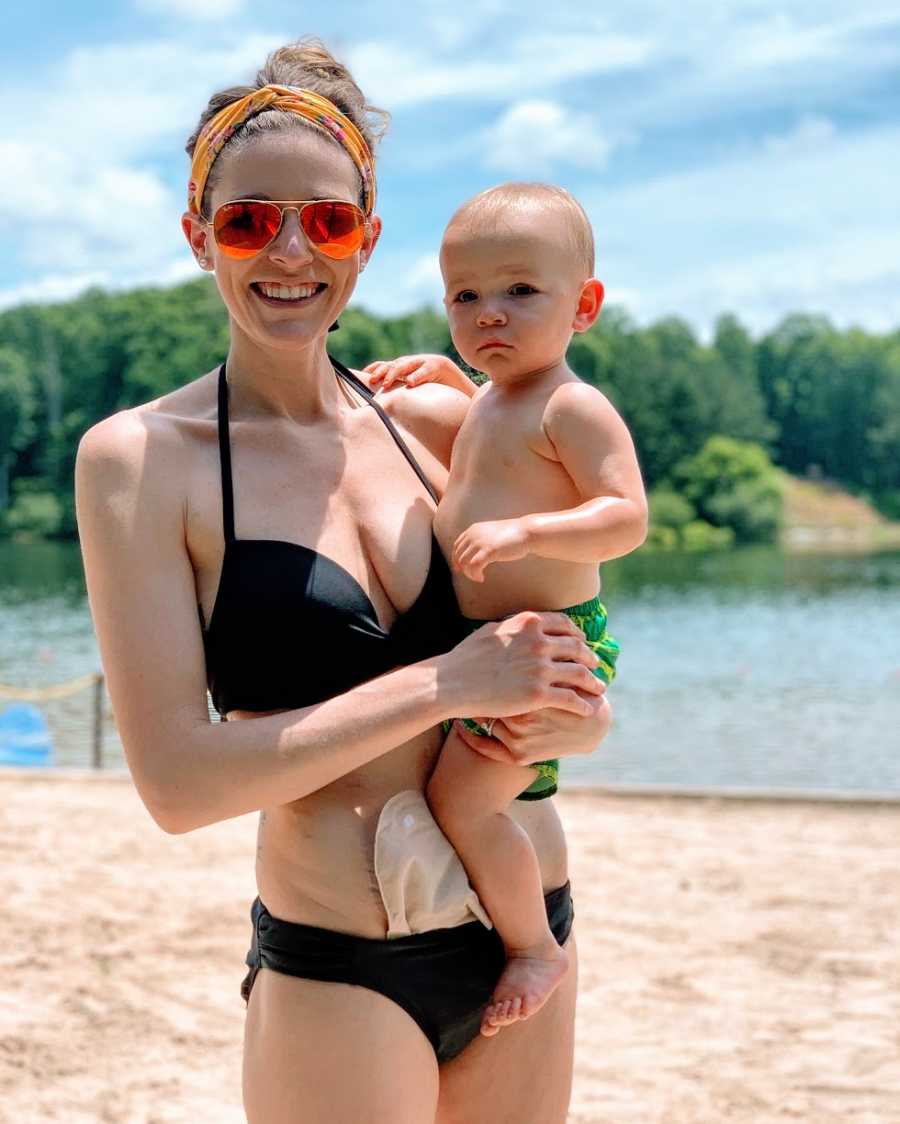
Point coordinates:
pixel 639 791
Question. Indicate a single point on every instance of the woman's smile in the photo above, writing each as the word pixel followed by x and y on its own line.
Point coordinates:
pixel 291 296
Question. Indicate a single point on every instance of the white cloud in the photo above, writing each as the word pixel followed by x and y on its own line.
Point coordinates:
pixel 532 136
pixel 425 274
pixel 85 217
pixel 194 10
pixel 715 61
pixel 160 88
pixel 775 231
pixel 399 76
pixel 51 287
pixel 803 215
pixel 810 133
pixel 395 282
pixel 64 286
pixel 79 190
pixel 780 39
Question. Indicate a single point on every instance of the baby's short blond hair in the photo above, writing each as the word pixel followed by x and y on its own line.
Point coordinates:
pixel 497 201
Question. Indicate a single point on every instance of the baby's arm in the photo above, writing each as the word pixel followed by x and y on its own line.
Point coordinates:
pixel 595 448
pixel 416 370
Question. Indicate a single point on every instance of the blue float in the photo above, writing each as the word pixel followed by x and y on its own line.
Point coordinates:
pixel 25 737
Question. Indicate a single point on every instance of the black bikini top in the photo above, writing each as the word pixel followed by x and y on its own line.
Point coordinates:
pixel 291 627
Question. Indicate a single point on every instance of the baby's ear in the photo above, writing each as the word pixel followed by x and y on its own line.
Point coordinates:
pixel 590 301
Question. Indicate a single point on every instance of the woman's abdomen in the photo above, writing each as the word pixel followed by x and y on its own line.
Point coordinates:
pixel 315 856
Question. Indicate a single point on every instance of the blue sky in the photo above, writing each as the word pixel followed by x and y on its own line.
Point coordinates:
pixel 736 156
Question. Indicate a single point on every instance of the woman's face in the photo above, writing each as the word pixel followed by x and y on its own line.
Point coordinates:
pixel 289 164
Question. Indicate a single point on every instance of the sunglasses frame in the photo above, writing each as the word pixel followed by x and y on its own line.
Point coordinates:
pixel 285 205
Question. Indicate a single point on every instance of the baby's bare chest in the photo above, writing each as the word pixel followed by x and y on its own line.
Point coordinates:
pixel 503 466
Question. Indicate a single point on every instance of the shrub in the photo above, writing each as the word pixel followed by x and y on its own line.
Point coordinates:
pixel 669 508
pixel 37 514
pixel 734 484
pixel 700 535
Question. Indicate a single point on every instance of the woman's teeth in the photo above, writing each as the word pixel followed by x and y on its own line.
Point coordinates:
pixel 288 292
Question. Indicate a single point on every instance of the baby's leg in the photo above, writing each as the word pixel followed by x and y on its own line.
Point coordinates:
pixel 468 795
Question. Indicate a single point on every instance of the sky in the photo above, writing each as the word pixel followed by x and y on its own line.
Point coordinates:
pixel 732 156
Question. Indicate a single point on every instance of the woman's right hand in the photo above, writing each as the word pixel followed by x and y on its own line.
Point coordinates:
pixel 527 662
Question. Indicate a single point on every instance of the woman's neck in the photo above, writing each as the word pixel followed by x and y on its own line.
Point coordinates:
pixel 297 384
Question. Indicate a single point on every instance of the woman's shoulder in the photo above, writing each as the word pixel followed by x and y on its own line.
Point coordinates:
pixel 432 413
pixel 162 432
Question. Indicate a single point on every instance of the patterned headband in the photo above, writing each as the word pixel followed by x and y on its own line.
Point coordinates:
pixel 320 112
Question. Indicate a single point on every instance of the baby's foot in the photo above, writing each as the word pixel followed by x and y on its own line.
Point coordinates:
pixel 529 979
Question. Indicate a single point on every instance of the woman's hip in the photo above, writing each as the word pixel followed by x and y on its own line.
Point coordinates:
pixel 443 979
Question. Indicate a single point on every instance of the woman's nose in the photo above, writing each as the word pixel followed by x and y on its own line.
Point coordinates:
pixel 291 247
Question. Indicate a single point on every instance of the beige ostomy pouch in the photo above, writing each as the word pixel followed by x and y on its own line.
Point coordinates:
pixel 422 881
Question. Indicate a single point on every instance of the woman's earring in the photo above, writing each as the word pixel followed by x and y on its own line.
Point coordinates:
pixel 203 262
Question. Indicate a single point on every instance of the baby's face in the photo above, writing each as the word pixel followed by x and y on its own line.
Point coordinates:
pixel 511 291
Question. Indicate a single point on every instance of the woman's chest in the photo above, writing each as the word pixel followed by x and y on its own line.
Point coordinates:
pixel 357 510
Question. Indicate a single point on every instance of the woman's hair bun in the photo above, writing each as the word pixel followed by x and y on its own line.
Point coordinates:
pixel 309 64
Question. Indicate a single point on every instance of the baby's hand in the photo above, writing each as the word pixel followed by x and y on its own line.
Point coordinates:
pixel 501 540
pixel 414 370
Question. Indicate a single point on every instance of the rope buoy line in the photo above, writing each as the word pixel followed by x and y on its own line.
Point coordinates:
pixel 56 691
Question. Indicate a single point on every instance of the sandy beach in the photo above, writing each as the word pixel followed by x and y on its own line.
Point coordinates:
pixel 739 959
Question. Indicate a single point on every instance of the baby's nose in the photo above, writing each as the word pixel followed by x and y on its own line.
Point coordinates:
pixel 490 315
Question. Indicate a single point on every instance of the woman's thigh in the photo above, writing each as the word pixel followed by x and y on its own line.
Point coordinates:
pixel 324 1053
pixel 523 1075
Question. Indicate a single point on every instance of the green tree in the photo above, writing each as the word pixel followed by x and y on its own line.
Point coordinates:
pixel 360 339
pixel 742 408
pixel 16 410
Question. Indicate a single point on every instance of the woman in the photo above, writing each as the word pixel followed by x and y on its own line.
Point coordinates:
pixel 270 500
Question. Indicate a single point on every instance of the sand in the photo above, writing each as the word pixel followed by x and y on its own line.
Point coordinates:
pixel 739 959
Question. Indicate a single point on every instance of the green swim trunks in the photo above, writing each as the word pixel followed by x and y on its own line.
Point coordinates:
pixel 590 617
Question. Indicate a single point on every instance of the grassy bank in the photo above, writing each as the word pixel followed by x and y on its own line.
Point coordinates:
pixel 821 516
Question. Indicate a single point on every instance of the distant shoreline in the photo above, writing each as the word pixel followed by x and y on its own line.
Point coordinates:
pixel 63 773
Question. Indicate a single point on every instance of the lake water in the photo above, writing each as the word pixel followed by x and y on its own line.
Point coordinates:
pixel 747 669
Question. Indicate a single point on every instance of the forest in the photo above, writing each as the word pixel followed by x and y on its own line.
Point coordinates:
pixel 716 424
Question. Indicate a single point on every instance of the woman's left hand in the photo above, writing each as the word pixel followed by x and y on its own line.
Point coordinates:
pixel 539 735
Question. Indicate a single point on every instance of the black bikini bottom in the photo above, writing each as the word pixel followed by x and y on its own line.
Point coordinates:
pixel 443 979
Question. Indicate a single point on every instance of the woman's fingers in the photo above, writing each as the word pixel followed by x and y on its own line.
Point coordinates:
pixel 487 747
pixel 573 649
pixel 559 624
pixel 565 699
pixel 578 678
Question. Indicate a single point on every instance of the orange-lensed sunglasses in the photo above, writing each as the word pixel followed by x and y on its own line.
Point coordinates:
pixel 246 226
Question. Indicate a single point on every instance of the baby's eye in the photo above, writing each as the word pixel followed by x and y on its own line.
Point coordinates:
pixel 521 290
pixel 466 295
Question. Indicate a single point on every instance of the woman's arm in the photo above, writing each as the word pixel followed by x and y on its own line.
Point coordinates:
pixel 191 772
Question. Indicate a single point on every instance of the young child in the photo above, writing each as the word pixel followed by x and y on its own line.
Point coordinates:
pixel 544 484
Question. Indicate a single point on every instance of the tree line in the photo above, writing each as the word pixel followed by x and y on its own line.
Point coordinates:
pixel 710 420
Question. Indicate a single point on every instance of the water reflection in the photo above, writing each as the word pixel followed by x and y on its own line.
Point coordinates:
pixel 31 572
pixel 747 668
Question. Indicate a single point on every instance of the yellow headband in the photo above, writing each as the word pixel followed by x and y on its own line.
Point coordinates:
pixel 319 111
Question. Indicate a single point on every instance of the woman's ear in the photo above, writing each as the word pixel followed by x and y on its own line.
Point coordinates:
pixel 373 233
pixel 590 301
pixel 196 232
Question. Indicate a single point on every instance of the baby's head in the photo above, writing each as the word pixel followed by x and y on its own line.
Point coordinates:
pixel 518 263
